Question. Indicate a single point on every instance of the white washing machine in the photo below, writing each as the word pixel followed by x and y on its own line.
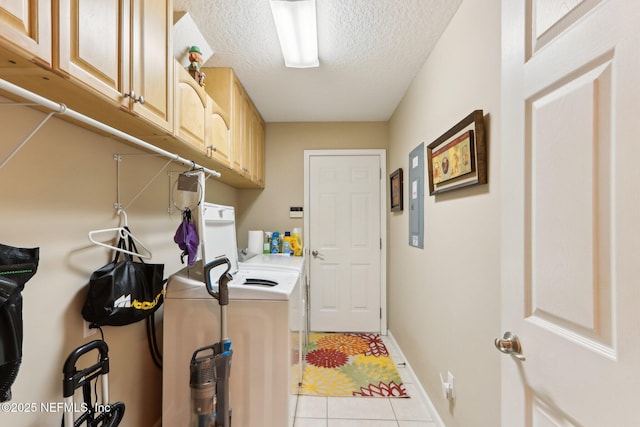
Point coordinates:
pixel 263 323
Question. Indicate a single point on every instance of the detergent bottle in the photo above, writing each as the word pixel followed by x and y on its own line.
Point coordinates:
pixel 296 242
pixel 275 242
pixel 286 243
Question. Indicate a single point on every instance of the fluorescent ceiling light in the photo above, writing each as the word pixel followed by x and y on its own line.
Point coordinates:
pixel 296 25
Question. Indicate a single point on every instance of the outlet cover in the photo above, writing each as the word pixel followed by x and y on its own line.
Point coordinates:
pixel 86 330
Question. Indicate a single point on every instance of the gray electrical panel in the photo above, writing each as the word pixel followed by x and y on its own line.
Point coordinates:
pixel 416 197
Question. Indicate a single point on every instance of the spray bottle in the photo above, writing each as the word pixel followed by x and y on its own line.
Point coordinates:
pixel 266 247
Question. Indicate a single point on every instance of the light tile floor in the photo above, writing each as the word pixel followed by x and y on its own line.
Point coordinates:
pixel 315 411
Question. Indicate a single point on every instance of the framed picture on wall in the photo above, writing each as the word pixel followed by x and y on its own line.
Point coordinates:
pixel 395 181
pixel 458 158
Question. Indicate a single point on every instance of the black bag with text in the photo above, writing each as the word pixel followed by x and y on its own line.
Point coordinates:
pixel 124 291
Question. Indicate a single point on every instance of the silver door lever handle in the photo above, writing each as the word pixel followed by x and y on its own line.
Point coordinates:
pixel 316 254
pixel 510 344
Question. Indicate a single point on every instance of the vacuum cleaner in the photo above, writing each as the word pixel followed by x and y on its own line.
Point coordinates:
pixel 210 366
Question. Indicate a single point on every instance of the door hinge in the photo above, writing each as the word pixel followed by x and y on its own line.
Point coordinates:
pixel 381 243
pixel 381 312
pixel 380 174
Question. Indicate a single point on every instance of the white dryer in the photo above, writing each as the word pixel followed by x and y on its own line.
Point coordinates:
pixel 263 321
pixel 297 264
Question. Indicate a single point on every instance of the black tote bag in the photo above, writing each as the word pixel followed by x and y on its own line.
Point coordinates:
pixel 124 291
pixel 17 266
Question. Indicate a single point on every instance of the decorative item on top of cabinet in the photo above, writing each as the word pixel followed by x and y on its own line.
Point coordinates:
pixel 195 62
pixel 25 33
pixel 187 40
pixel 121 51
pixel 246 125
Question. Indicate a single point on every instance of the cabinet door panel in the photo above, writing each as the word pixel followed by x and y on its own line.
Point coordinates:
pixel 219 139
pixel 191 110
pixel 25 26
pixel 94 46
pixel 247 139
pixel 237 128
pixel 152 70
pixel 257 160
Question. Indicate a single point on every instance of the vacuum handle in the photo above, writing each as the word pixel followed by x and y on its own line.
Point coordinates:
pixel 223 291
pixel 203 349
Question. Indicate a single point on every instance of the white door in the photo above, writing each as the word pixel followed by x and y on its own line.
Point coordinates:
pixel 345 211
pixel 571 217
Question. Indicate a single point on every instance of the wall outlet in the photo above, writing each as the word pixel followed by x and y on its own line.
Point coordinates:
pixel 86 330
pixel 451 389
pixel 447 386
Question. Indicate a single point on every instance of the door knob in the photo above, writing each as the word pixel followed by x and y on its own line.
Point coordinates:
pixel 510 344
pixel 316 254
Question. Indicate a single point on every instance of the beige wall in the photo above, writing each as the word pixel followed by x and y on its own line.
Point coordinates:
pixel 444 300
pixel 60 186
pixel 268 209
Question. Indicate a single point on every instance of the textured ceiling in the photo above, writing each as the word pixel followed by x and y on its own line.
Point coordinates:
pixel 369 50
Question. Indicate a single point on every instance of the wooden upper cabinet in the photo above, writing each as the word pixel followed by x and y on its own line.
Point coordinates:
pixel 122 50
pixel 25 29
pixel 191 110
pixel 246 126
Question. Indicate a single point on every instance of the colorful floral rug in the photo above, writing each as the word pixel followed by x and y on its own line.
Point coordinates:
pixel 350 365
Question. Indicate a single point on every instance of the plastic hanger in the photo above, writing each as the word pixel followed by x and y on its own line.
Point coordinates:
pixel 124 232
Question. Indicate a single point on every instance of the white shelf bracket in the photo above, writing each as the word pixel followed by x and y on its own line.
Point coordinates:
pixel 119 158
pixel 27 139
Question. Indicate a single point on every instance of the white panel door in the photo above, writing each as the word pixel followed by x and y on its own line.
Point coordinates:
pixel 344 213
pixel 571 235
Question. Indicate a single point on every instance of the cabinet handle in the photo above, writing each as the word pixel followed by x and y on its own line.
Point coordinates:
pixel 210 150
pixel 132 95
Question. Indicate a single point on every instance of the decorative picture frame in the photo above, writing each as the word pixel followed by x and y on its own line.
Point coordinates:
pixel 458 158
pixel 395 185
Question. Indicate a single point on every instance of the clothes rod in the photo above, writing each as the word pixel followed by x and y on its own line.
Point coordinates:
pixel 62 109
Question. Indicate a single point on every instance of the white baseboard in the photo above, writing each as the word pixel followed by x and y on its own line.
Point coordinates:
pixel 423 394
